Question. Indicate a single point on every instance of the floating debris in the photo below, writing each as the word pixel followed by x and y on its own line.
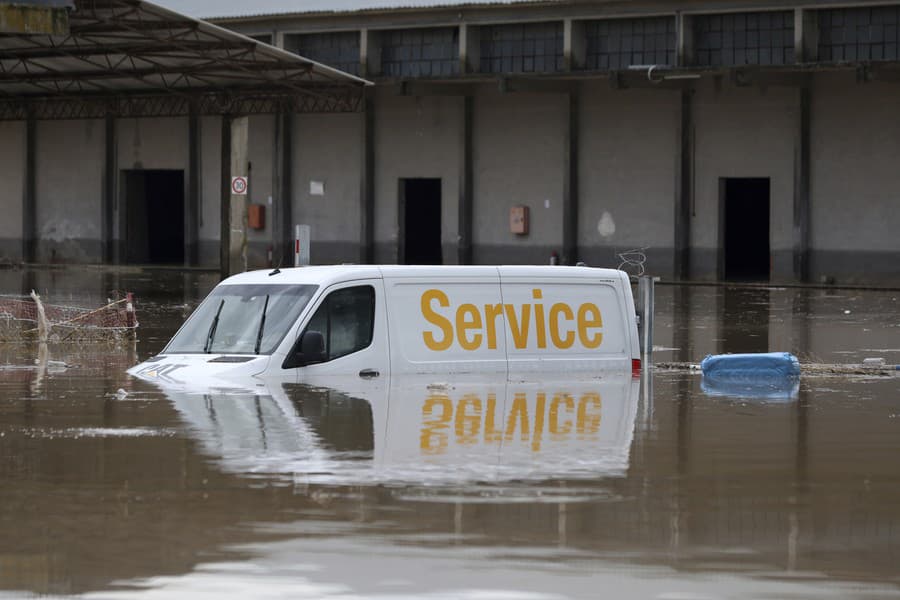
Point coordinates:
pixel 22 319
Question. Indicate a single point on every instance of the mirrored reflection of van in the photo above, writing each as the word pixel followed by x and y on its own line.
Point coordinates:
pixel 413 431
pixel 374 321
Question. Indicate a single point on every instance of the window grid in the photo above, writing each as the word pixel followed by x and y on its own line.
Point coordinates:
pixel 526 48
pixel 619 43
pixel 420 52
pixel 759 38
pixel 859 34
pixel 339 50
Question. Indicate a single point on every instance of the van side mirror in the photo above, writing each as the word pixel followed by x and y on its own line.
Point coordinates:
pixel 308 351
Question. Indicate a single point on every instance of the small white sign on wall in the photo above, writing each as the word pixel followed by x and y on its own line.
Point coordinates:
pixel 316 188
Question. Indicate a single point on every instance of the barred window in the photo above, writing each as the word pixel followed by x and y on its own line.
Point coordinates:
pixel 339 50
pixel 526 48
pixel 760 38
pixel 859 34
pixel 618 43
pixel 420 52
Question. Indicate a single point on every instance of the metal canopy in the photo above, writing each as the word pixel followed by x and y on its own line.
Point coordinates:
pixel 131 58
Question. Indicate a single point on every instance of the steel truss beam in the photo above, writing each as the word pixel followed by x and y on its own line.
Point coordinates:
pixel 129 58
pixel 335 100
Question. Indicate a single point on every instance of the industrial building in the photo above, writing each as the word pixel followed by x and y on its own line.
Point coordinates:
pixel 726 140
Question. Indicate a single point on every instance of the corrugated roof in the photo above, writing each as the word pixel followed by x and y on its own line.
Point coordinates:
pixel 118 48
pixel 218 9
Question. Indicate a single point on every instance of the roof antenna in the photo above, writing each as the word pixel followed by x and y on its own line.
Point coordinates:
pixel 277 269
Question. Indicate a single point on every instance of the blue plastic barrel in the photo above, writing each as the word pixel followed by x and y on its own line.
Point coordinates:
pixel 766 376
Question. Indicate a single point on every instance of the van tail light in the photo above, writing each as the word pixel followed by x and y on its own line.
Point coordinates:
pixel 635 367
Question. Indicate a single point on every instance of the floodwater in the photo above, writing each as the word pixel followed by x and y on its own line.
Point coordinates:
pixel 610 488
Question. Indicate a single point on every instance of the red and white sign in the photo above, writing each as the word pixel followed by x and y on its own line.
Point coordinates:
pixel 239 186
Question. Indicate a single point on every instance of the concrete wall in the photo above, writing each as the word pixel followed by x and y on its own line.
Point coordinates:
pixel 416 137
pixel 743 132
pixel 209 227
pixel 262 157
pixel 69 190
pixel 628 167
pixel 153 143
pixel 519 144
pixel 12 159
pixel 327 149
pixel 855 181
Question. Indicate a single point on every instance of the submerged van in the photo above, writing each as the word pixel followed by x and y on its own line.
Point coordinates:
pixel 372 321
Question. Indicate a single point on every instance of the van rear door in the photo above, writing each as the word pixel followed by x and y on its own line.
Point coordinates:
pixel 570 319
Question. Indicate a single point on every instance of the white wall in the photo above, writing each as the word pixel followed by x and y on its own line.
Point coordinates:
pixel 628 166
pixel 327 149
pixel 69 190
pixel 855 180
pixel 743 132
pixel 519 144
pixel 12 166
pixel 416 137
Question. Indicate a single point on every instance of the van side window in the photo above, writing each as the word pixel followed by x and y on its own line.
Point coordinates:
pixel 346 319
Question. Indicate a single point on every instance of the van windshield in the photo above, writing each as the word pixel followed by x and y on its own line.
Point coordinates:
pixel 242 319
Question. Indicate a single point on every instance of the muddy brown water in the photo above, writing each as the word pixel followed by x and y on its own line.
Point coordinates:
pixel 615 487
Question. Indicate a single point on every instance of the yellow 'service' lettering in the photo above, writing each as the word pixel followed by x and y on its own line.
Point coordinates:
pixel 435 319
pixel 472 420
pixel 468 326
pixel 569 339
pixel 589 318
pixel 464 324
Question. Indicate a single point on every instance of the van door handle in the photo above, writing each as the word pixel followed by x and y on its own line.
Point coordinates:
pixel 368 373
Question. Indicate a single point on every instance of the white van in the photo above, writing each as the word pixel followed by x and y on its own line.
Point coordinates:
pixel 373 321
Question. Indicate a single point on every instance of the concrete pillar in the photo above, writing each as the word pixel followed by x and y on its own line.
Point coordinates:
pixel 801 187
pixel 574 44
pixel 466 200
pixel 367 182
pixel 29 195
pixel 237 238
pixel 570 182
pixel 685 192
pixel 192 207
pixel 286 190
pixel 109 190
pixel 225 196
pixel 806 36
pixel 369 54
pixel 469 49
pixel 685 40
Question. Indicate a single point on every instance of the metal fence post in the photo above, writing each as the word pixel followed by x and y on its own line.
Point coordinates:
pixel 646 301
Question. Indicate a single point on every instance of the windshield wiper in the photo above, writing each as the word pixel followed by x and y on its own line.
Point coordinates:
pixel 262 324
pixel 212 329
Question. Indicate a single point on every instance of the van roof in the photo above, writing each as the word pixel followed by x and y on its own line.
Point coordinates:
pixel 327 275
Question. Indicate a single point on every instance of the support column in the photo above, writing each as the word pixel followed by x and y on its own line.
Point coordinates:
pixel 469 49
pixel 237 209
pixel 464 247
pixel 367 183
pixel 225 197
pixel 801 189
pixel 192 207
pixel 109 191
pixel 286 193
pixel 29 199
pixel 570 182
pixel 685 191
pixel 574 44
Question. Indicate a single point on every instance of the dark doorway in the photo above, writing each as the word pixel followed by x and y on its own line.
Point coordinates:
pixel 154 216
pixel 420 222
pixel 745 229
